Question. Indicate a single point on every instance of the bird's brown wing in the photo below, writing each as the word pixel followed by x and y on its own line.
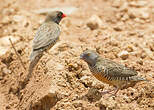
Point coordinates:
pixel 47 34
pixel 113 69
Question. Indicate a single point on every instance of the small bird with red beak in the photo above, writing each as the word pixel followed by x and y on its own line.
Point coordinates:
pixel 45 38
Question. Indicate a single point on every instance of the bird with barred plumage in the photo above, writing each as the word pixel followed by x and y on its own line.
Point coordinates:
pixel 110 72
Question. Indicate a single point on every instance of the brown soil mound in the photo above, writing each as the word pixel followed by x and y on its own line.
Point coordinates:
pixel 120 30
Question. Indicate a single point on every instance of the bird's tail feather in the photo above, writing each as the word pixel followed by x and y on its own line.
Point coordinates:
pixel 34 59
pixel 137 78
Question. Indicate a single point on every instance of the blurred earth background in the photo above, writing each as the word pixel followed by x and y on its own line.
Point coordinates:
pixel 120 30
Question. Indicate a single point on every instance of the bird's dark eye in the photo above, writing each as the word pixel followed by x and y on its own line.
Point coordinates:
pixel 59 15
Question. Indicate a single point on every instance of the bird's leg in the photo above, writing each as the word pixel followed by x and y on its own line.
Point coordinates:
pixel 115 93
pixel 108 91
pixel 117 89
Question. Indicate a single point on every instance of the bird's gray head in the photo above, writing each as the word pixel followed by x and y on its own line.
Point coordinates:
pixel 89 56
pixel 55 16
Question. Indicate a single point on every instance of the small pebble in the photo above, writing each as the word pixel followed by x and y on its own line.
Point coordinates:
pixel 123 55
pixel 94 22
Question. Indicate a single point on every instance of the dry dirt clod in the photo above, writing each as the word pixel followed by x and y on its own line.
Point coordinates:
pixel 18 18
pixel 123 55
pixel 139 14
pixel 6 20
pixel 139 3
pixel 116 28
pixel 6 71
pixel 140 62
pixel 78 104
pixel 94 22
pixel 101 106
pixel 93 95
pixel 46 102
pixel 130 48
pixel 117 3
pixel 86 80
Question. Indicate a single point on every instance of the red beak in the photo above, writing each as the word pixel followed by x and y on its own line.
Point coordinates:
pixel 63 15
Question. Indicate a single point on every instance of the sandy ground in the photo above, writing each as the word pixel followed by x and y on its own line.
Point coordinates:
pixel 120 30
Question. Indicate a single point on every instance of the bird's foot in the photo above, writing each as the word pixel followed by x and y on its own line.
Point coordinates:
pixel 110 92
pixel 106 92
